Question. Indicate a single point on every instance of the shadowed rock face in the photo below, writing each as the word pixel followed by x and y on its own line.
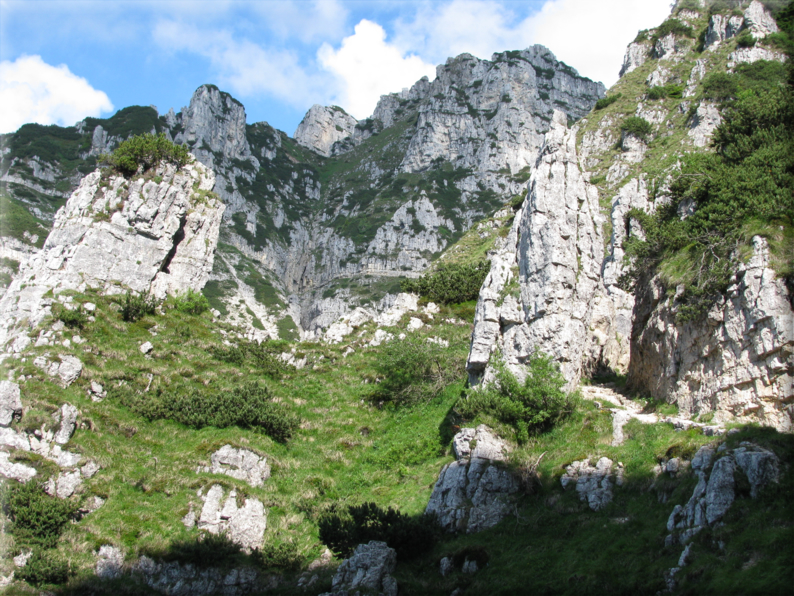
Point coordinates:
pixel 473 493
pixel 152 234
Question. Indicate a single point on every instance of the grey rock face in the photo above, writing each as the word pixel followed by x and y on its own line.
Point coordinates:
pixel 721 28
pixel 18 472
pixel 239 463
pixel 10 403
pixel 148 236
pixel 758 20
pixel 177 579
pixel 321 127
pixel 369 569
pixel 558 252
pixel 636 55
pixel 706 119
pixel 738 364
pixel 473 493
pixel 594 484
pixel 110 562
pixel 65 485
pixel 68 422
pixel 243 525
pixel 753 54
pixel 715 491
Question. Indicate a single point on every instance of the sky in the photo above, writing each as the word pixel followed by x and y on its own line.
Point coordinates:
pixel 64 60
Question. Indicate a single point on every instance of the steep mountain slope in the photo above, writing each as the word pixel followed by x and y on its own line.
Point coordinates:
pixel 556 283
pixel 313 236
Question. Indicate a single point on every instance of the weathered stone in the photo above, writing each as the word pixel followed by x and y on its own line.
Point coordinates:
pixel 239 463
pixel 110 562
pixel 369 568
pixel 758 20
pixel 146 347
pixel 706 119
pixel 243 525
pixel 321 127
pixel 737 365
pixel 10 403
pixel 473 493
pixel 68 422
pixel 19 472
pixel 594 484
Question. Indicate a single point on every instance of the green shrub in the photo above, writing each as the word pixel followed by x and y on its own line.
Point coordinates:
pixel 662 91
pixel 265 356
pixel 247 406
pixel 44 567
pixel 413 370
pixel 143 152
pixel 533 406
pixel 605 102
pixel 191 302
pixel 745 40
pixel 137 306
pixel 282 556
pixel 449 283
pixel 74 319
pixel 341 531
pixel 675 27
pixel 38 519
pixel 636 126
pixel 720 87
pixel 742 189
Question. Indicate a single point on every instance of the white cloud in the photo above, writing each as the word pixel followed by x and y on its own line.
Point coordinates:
pixel 33 91
pixel 590 35
pixel 242 67
pixel 305 21
pixel 368 67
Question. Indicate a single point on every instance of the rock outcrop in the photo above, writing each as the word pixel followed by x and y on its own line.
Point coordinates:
pixel 244 525
pixel 155 233
pixel 594 484
pixel 540 295
pixel 239 463
pixel 10 403
pixel 367 571
pixel 322 126
pixel 473 493
pixel 739 364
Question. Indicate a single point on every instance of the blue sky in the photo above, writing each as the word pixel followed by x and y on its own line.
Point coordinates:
pixel 61 61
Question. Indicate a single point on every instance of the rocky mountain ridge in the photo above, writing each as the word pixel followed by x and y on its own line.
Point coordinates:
pixel 554 284
pixel 317 236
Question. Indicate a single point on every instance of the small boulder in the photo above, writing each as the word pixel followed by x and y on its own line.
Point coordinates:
pixel 369 569
pixel 68 416
pixel 239 463
pixel 146 347
pixel 110 562
pixel 18 472
pixel 594 484
pixel 10 403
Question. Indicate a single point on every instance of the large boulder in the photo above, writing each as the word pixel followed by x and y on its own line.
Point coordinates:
pixel 239 463
pixel 368 570
pixel 474 492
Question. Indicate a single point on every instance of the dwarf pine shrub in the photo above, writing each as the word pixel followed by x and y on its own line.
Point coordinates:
pixel 136 306
pixel 342 530
pixel 530 407
pixel 143 152
pixel 44 567
pixel 450 283
pixel 38 519
pixel 191 303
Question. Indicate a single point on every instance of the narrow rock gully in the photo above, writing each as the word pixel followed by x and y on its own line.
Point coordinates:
pixel 624 409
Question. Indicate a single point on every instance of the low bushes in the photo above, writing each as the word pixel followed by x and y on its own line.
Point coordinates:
pixel 248 406
pixel 605 102
pixel 74 319
pixel 449 283
pixel 136 306
pixel 636 126
pixel 44 567
pixel 342 530
pixel 38 519
pixel 191 303
pixel 283 556
pixel 530 407
pixel 264 356
pixel 662 91
pixel 143 152
pixel 413 370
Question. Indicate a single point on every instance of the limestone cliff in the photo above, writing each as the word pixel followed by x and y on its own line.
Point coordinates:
pixel 321 127
pixel 155 233
pixel 554 284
